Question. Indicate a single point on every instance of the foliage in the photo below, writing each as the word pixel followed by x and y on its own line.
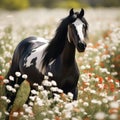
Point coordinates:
pixel 102 3
pixel 14 4
pixel 110 3
pixel 70 4
pixel 22 4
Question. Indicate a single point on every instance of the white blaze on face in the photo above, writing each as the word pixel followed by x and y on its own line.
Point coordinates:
pixel 79 26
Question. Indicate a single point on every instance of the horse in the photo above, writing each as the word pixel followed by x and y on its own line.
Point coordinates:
pixel 35 56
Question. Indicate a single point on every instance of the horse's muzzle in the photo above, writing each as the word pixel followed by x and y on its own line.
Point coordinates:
pixel 81 46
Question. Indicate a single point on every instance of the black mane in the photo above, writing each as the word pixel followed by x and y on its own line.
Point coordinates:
pixel 56 45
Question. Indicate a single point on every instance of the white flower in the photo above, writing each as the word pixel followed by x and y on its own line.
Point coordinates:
pixel 99 102
pixel 24 76
pixel 100 116
pixel 30 103
pixel 46 83
pixel 8 101
pixel 3 70
pixel 54 89
pixel 93 91
pixel 6 113
pixel 70 95
pixel 15 114
pixel 22 113
pixel 82 67
pixel 13 90
pixel 101 86
pixel 86 104
pixel 113 117
pixel 87 66
pixel 46 77
pixel 32 98
pixel 104 70
pixel 6 81
pixel 44 93
pixel 40 87
pixel 9 88
pixel 112 66
pixel 114 73
pixel 104 100
pixel 68 106
pixel 25 106
pixel 114 105
pixel 11 78
pixel 50 74
pixel 60 91
pixel 68 114
pixel 57 97
pixel 94 101
pixel 39 102
pixel 103 94
pixel 4 97
pixel 35 84
pixel 16 86
pixel 54 83
pixel 34 92
pixel 50 112
pixel 28 110
pixel 110 98
pixel 18 74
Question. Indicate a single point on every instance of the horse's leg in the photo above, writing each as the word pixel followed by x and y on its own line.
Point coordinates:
pixel 75 93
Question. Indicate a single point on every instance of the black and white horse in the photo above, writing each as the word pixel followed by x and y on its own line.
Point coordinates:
pixel 37 56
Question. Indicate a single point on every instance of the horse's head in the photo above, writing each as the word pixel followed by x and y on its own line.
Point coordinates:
pixel 77 30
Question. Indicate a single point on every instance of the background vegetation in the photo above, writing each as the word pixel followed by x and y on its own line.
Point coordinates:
pixel 22 4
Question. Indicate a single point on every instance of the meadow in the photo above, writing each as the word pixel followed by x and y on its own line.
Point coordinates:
pixel 99 65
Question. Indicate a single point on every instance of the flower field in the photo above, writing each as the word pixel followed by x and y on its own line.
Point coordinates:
pixel 99 65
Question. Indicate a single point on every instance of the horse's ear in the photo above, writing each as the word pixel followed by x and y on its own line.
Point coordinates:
pixel 81 13
pixel 71 12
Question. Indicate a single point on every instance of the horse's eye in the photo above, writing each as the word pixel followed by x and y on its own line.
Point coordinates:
pixel 84 26
pixel 83 29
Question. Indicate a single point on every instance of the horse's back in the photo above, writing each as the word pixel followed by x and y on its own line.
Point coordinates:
pixel 31 42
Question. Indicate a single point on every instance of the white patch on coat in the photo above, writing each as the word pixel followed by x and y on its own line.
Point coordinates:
pixel 40 39
pixel 79 26
pixel 37 53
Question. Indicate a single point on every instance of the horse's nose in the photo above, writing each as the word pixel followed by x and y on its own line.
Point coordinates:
pixel 82 46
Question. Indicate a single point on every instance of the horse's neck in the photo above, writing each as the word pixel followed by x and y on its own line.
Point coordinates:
pixel 68 54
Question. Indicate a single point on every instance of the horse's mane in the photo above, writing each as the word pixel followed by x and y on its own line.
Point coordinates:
pixel 57 43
